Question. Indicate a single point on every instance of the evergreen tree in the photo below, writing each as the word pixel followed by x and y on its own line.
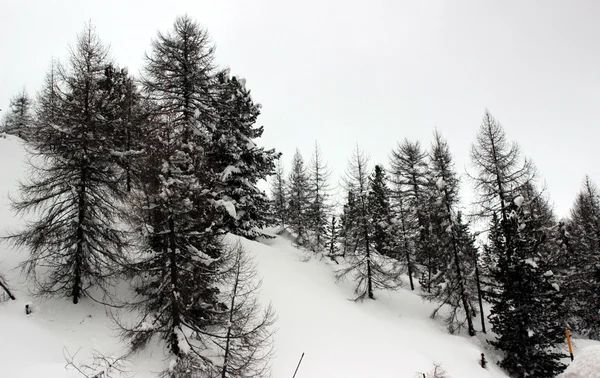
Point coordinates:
pixel 298 191
pixel 332 236
pixel 127 113
pixel 409 177
pixel 177 278
pixel 19 119
pixel 319 192
pixel 348 226
pixel 379 207
pixel 236 159
pixel 74 239
pixel 279 195
pixel 364 264
pixel 581 260
pixel 526 302
pixel 451 285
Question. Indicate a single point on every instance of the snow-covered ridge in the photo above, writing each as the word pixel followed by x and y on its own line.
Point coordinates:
pixel 391 336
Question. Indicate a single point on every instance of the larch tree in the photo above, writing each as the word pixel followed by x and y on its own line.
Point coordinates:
pixel 526 302
pixel 408 175
pixel 319 209
pixel 279 195
pixel 19 119
pixel 177 277
pixel 364 265
pixel 298 197
pixel 452 285
pixel 581 261
pixel 246 341
pixel 74 180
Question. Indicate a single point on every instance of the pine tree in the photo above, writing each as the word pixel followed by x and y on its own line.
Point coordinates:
pixel 379 207
pixel 348 226
pixel 526 303
pixel 526 310
pixel 236 159
pixel 364 264
pixel 127 112
pixel 177 278
pixel 279 195
pixel 451 285
pixel 74 181
pixel 298 191
pixel 332 236
pixel 319 192
pixel 581 260
pixel 408 175
pixel 19 119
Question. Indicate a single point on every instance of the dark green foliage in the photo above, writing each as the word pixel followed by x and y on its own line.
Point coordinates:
pixel 580 259
pixel 527 302
pixel 237 161
pixel 381 217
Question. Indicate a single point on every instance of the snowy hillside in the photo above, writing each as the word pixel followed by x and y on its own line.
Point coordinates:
pixel 392 336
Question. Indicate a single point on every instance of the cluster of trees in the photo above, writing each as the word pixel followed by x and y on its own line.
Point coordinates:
pixel 539 274
pixel 143 177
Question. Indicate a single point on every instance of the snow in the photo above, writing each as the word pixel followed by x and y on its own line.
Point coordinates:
pixel 227 172
pixel 519 201
pixel 440 183
pixel 229 207
pixel 390 337
pixel 585 365
pixel 531 263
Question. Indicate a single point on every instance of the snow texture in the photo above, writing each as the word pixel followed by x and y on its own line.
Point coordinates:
pixel 585 365
pixel 519 201
pixel 390 337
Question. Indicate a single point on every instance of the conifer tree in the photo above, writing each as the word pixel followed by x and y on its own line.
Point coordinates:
pixel 451 285
pixel 279 195
pixel 298 191
pixel 75 238
pixel 127 113
pixel 348 225
pixel 319 192
pixel 236 159
pixel 527 305
pixel 19 119
pixel 364 264
pixel 409 176
pixel 379 207
pixel 177 277
pixel 332 237
pixel 526 301
pixel 246 340
pixel 581 260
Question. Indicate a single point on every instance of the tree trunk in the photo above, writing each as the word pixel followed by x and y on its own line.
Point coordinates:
pixel 174 286
pixel 76 291
pixel 479 295
pixel 7 290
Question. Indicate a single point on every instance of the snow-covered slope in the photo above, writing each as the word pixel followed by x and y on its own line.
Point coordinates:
pixel 392 336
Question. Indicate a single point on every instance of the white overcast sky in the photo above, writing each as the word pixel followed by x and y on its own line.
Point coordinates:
pixel 368 72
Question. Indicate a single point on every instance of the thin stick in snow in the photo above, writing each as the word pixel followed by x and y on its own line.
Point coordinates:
pixel 299 362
